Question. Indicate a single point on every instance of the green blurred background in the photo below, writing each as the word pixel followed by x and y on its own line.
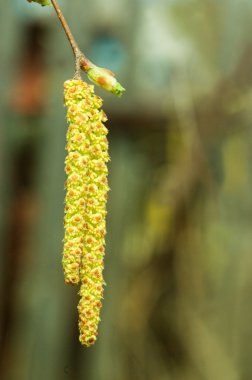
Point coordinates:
pixel 178 267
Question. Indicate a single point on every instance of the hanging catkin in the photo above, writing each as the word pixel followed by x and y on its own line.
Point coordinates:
pixel 85 204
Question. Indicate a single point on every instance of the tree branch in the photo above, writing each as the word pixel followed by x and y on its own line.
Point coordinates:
pixel 80 58
pixel 101 77
pixel 68 32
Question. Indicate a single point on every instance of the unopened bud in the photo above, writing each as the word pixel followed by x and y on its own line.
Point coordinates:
pixel 41 2
pixel 105 79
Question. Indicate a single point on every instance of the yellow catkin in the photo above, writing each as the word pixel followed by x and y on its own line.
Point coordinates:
pixel 87 187
pixel 96 190
pixel 77 97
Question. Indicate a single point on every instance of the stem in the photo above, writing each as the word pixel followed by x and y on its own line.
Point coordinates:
pixel 66 28
pixel 101 77
pixel 81 62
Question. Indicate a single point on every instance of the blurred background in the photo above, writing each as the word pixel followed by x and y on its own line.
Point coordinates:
pixel 178 267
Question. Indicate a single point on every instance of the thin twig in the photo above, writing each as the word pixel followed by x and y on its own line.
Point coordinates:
pixel 66 28
pixel 101 77
pixel 81 61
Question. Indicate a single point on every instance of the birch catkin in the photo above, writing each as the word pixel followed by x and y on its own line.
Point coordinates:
pixel 96 197
pixel 85 204
pixel 75 93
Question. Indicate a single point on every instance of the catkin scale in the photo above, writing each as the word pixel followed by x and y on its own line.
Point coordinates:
pixel 85 210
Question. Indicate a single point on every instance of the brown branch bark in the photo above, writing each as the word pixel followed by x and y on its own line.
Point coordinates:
pixel 81 62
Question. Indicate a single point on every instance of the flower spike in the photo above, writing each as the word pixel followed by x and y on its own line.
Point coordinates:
pixel 86 198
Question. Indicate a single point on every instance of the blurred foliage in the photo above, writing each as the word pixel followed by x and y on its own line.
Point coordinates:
pixel 178 265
